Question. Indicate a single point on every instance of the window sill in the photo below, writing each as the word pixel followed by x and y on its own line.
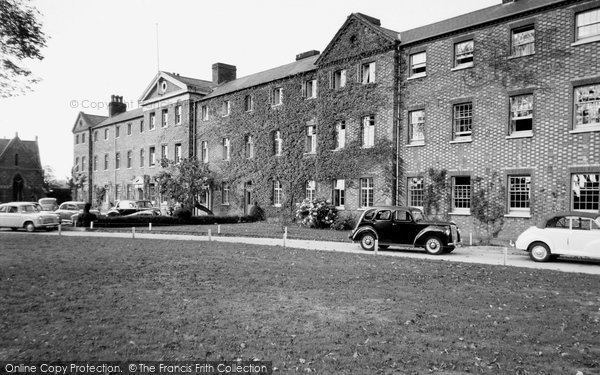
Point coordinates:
pixel 340 207
pixel 276 105
pixel 522 215
pixel 460 213
pixel 309 153
pixel 464 140
pixel 310 97
pixel 586 129
pixel 461 67
pixel 277 205
pixel 586 41
pixel 415 144
pixel 517 135
pixel 224 204
pixel 518 57
pixel 417 76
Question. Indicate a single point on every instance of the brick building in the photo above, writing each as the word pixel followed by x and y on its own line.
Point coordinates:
pixel 492 114
pixel 21 173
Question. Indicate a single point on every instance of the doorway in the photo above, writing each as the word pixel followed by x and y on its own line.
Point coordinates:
pixel 247 197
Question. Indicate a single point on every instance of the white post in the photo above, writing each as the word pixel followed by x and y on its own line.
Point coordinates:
pixel 470 239
pixel 150 227
pixel 209 234
pixel 376 246
pixel 132 232
pixel 284 237
pixel 91 225
pixel 219 229
pixel 59 228
pixel 505 254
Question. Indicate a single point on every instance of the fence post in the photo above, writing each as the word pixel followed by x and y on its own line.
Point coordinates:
pixel 219 229
pixel 91 225
pixel 284 237
pixel 505 254
pixel 59 228
pixel 376 246
pixel 470 239
pixel 150 227
pixel 209 234
pixel 132 232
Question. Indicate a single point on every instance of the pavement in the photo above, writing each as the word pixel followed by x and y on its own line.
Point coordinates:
pixel 493 255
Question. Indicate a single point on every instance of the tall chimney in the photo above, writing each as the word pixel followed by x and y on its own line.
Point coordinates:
pixel 223 73
pixel 116 105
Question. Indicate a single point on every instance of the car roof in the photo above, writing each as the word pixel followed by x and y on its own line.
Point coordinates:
pixel 19 203
pixel 73 202
pixel 590 215
pixel 408 208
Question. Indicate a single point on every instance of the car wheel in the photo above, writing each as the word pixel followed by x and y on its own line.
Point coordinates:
pixel 383 247
pixel 539 252
pixel 433 245
pixel 367 241
pixel 29 226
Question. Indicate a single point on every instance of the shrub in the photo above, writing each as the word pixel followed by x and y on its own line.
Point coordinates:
pixel 183 214
pixel 257 213
pixel 132 221
pixel 344 221
pixel 317 213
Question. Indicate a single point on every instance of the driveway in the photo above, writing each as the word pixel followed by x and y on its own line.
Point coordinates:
pixel 470 254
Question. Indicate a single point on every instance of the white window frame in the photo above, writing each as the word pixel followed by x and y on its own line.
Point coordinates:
pixel 204 113
pixel 591 17
pixel 586 107
pixel 311 139
pixel 338 194
pixel 106 134
pixel 463 54
pixel 277 193
pixel 519 195
pixel 226 144
pixel 226 108
pixel 416 127
pixel 340 135
pixel 249 103
pixel 177 154
pixel 277 96
pixel 585 184
pixel 461 194
pixel 277 143
pixel 459 112
pixel 339 79
pixel 164 152
pixel 521 108
pixel 522 41
pixel 117 160
pixel 204 151
pixel 225 194
pixel 178 113
pixel 249 147
pixel 366 196
pixel 129 128
pixel 310 189
pixel 106 161
pixel 368 131
pixel 416 191
pixel 367 73
pixel 142 152
pixel 129 159
pixel 164 117
pixel 152 156
pixel 309 89
pixel 152 124
pixel 418 64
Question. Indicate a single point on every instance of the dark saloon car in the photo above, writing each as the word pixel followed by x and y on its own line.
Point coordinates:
pixel 405 227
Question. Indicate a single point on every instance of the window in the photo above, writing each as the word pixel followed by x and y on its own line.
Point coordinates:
pixel 225 193
pixel 249 103
pixel 339 193
pixel 226 148
pixel 587 106
pixel 463 54
pixel 587 24
pixel 117 160
pixel 83 166
pixel 461 194
pixel 226 108
pixel 105 161
pixel 366 192
pixel 164 152
pixel 152 156
pixel 96 136
pixel 141 126
pixel 178 115
pixel 416 191
pixel 76 163
pixel 165 117
pixel 277 96
pixel 129 129
pixel 523 41
pixel 277 193
pixel 177 152
pixel 152 121
pixel 519 190
pixel 416 127
pixel 585 191
pixel 463 120
pixel 249 147
pixel 309 89
pixel 368 131
pixel 311 187
pixel 76 139
pixel 277 143
pixel 117 131
pixel 340 135
pixel 204 113
pixel 418 65
pixel 204 151
pixel 339 79
pixel 367 73
pixel 16 159
pixel 95 162
pixel 105 134
pixel 117 192
pixel 311 139
pixel 129 158
pixel 141 157
pixel 521 114
pixel 83 138
pixel 129 192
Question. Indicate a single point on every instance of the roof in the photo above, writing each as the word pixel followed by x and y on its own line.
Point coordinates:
pixel 134 113
pixel 93 120
pixel 31 147
pixel 300 66
pixel 192 83
pixel 475 18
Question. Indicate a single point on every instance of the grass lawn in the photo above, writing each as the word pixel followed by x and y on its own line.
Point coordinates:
pixel 116 299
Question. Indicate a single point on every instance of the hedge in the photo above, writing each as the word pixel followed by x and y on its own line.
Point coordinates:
pixel 131 221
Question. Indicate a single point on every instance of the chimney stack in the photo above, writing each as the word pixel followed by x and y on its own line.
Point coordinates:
pixel 116 105
pixel 222 73
pixel 306 54
pixel 508 1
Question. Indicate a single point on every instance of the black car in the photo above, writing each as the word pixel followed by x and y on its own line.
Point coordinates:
pixel 404 227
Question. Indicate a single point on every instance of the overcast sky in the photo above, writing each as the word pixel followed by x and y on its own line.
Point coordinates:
pixel 99 48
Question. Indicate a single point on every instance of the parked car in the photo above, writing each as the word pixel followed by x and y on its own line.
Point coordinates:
pixel 564 233
pixel 48 204
pixel 404 227
pixel 26 215
pixel 128 207
pixel 67 209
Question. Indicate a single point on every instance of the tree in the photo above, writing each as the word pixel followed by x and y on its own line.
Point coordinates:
pixel 50 181
pixel 183 181
pixel 21 37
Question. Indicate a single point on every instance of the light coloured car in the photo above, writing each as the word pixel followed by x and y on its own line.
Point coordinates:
pixel 48 204
pixel 128 207
pixel 68 209
pixel 565 233
pixel 26 215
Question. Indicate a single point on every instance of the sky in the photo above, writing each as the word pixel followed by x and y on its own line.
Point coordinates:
pixel 101 48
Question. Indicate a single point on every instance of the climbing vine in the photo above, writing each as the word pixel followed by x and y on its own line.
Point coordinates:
pixel 487 205
pixel 436 197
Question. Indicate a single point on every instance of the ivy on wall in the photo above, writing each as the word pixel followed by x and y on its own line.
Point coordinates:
pixel 436 197
pixel 488 205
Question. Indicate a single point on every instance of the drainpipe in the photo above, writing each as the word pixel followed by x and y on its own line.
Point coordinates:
pixel 396 124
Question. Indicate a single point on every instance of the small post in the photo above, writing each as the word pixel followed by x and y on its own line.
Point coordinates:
pixel 219 229
pixel 376 246
pixel 132 232
pixel 284 237
pixel 209 234
pixel 150 227
pixel 505 254
pixel 91 225
pixel 470 239
pixel 59 228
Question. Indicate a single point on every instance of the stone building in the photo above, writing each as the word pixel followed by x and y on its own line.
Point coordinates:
pixel 492 116
pixel 21 173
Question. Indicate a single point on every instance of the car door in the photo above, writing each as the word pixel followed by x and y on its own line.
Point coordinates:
pixel 556 233
pixel 584 238
pixel 13 217
pixel 405 228
pixel 383 225
pixel 3 215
